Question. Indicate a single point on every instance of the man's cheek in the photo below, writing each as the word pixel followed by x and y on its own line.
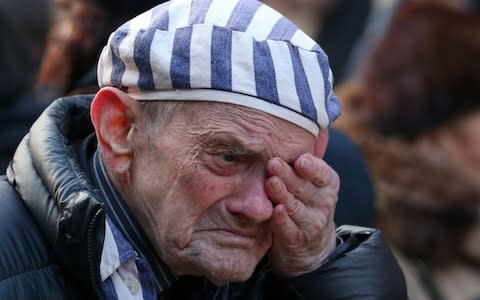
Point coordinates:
pixel 204 187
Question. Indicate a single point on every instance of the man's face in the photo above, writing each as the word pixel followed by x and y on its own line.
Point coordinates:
pixel 80 26
pixel 199 190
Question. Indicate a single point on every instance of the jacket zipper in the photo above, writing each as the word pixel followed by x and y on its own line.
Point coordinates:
pixel 91 255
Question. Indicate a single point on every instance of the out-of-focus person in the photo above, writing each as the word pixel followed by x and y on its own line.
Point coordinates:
pixel 29 21
pixel 17 110
pixel 78 32
pixel 415 114
pixel 37 70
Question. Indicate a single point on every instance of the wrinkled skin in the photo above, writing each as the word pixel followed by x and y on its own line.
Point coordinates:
pixel 223 186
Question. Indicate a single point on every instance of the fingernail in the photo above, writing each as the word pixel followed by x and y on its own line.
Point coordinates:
pixel 275 165
pixel 305 163
pixel 275 184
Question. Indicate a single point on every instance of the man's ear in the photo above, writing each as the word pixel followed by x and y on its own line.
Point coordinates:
pixel 321 142
pixel 112 113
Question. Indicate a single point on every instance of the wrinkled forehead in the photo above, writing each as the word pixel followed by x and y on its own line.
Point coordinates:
pixel 256 130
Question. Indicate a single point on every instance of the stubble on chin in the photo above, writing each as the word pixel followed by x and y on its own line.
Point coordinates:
pixel 220 265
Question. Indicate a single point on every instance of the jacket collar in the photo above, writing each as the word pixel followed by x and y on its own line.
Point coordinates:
pixel 57 192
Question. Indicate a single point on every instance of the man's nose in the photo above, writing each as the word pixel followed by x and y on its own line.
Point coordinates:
pixel 251 201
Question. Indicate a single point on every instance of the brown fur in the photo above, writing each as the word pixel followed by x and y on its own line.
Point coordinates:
pixel 425 206
pixel 422 77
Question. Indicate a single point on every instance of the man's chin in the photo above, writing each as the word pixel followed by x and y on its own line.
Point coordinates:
pixel 223 276
pixel 230 268
pixel 218 266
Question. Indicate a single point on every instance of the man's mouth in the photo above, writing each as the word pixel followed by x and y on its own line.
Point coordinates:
pixel 232 237
pixel 246 234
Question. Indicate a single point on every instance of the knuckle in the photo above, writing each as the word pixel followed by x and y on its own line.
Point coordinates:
pixel 330 203
pixel 301 189
pixel 300 238
pixel 323 174
pixel 293 207
pixel 311 236
pixel 335 180
pixel 319 227
pixel 327 176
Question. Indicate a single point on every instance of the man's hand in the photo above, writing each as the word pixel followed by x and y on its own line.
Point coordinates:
pixel 304 198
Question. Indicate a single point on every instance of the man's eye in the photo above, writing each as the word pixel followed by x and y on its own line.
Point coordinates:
pixel 228 157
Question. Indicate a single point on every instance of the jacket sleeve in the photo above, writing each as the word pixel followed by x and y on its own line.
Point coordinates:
pixel 361 267
pixel 27 266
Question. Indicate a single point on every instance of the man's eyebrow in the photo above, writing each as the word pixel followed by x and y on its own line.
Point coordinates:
pixel 242 147
pixel 236 145
pixel 239 149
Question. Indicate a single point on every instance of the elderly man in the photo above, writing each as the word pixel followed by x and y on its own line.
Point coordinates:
pixel 201 177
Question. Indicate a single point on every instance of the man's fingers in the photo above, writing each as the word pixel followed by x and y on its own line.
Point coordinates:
pixel 316 171
pixel 305 178
pixel 279 195
pixel 282 225
pixel 296 185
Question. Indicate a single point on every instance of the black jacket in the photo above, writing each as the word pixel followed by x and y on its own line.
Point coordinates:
pixel 52 229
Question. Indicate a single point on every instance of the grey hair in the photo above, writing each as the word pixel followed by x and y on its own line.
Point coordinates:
pixel 155 117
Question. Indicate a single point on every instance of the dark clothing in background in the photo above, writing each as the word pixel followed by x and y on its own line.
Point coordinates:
pixel 16 117
pixel 52 230
pixel 356 197
pixel 17 109
pixel 342 29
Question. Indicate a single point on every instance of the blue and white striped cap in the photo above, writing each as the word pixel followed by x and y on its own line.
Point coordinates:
pixel 234 51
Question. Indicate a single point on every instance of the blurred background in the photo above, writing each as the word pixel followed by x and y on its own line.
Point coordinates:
pixel 407 147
